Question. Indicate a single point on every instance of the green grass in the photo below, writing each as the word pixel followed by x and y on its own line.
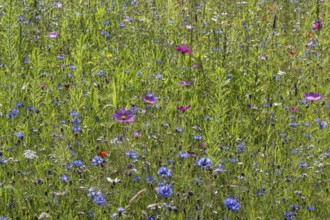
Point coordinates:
pixel 237 99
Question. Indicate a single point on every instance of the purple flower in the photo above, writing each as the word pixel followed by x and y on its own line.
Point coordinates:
pixel 123 115
pixel 150 98
pixel 58 5
pixel 164 191
pixel 183 49
pixel 52 34
pixel 183 108
pixel 164 172
pixel 186 83
pixel 232 204
pixel 312 96
pixel 317 25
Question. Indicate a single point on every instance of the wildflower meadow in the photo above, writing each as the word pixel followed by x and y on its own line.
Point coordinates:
pixel 153 109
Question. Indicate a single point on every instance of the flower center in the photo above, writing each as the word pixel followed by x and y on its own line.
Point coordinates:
pixel 123 117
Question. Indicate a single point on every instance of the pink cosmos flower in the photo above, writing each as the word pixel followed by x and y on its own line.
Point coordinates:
pixel 150 98
pixel 183 108
pixel 123 115
pixel 293 110
pixel 58 5
pixel 317 25
pixel 52 34
pixel 186 83
pixel 183 49
pixel 312 96
pixel 194 66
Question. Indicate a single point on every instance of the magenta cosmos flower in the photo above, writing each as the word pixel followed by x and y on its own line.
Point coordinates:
pixel 312 96
pixel 52 34
pixel 183 108
pixel 150 98
pixel 316 26
pixel 183 49
pixel 186 83
pixel 123 115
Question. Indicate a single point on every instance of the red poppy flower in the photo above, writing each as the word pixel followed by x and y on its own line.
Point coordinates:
pixel 103 154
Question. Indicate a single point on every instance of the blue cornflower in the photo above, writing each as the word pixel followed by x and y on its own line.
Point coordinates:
pixel 74 114
pixel 99 199
pixel 76 121
pixel 260 192
pixel 131 154
pixel 69 166
pixel 302 164
pixel 12 113
pixel 293 124
pixel 183 154
pixel 121 25
pixel 19 104
pixel 206 117
pixel 60 56
pixel 204 162
pixel 105 33
pixel 30 108
pixel 310 208
pixel 3 160
pixel 97 196
pixel 288 215
pixel 232 204
pixel 179 130
pixel 294 207
pixel 62 122
pixel 240 148
pixel 164 191
pixel 77 163
pixel 294 151
pixel 97 160
pixel 136 179
pixel 164 172
pixel 197 137
pixel 100 74
pixel 76 128
pixel 19 135
pixel 64 178
pixel 72 67
pixel 150 179
pixel 322 124
pixel 308 135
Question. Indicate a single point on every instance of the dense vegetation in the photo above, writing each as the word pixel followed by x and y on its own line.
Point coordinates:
pixel 155 109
